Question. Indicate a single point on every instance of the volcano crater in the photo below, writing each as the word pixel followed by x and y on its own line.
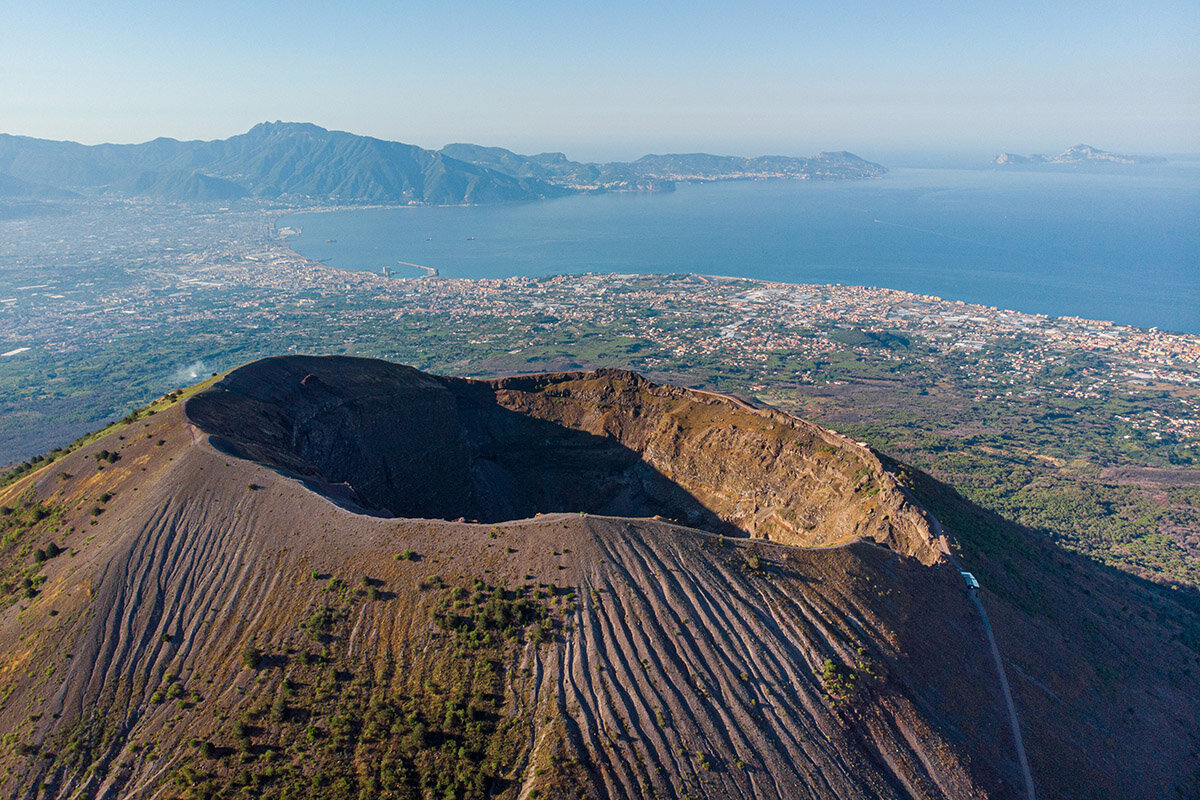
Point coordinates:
pixel 388 440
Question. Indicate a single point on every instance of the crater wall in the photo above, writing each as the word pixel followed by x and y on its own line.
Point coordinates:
pixel 398 442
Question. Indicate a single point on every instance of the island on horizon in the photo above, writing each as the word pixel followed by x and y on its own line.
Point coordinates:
pixel 1079 155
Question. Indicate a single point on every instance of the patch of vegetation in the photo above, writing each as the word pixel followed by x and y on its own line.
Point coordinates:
pixel 252 657
pixel 23 525
pixel 488 614
pixel 338 726
pixel 841 683
pixel 320 623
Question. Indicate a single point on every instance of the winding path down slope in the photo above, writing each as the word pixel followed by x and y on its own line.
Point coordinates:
pixel 1008 701
pixel 1014 722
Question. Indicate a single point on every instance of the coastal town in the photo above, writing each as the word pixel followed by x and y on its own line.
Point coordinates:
pixel 116 275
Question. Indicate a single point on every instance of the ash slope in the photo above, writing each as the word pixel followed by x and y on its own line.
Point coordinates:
pixel 565 654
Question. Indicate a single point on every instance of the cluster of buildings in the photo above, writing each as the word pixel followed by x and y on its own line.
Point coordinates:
pixel 71 285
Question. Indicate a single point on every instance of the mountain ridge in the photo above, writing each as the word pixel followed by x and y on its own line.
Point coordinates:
pixel 660 172
pixel 304 163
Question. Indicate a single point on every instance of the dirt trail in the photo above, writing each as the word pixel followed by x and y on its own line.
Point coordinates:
pixel 1012 709
pixel 1014 723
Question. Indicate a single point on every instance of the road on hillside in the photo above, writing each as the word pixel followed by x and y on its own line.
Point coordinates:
pixel 987 628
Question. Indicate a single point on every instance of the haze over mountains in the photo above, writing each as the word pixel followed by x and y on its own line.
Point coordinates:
pixel 300 162
pixel 268 587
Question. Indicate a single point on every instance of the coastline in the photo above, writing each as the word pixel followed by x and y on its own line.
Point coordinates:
pixel 992 240
pixel 1164 356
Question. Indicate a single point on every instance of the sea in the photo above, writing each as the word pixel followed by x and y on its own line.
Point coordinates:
pixel 1118 245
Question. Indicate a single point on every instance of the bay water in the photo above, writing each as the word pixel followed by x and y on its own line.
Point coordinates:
pixel 1118 245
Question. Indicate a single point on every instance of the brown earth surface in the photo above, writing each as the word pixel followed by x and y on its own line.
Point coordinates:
pixel 278 588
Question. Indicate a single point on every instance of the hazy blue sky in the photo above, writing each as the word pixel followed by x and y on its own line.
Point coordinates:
pixel 605 79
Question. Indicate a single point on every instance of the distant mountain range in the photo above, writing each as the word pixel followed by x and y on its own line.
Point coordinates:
pixel 301 162
pixel 659 172
pixel 1079 155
